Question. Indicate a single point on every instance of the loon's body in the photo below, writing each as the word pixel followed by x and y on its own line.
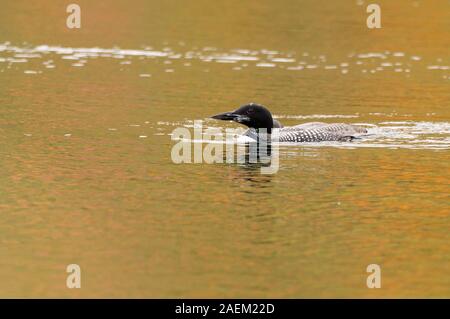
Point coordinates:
pixel 259 119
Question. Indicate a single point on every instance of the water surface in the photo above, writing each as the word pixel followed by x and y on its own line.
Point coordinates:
pixel 87 178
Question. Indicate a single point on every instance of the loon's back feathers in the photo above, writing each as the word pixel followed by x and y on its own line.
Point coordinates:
pixel 258 117
pixel 318 132
pixel 341 128
pixel 314 132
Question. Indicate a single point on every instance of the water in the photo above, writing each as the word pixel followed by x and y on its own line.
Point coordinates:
pixel 85 140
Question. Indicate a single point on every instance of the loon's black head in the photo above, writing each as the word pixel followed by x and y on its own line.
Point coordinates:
pixel 252 115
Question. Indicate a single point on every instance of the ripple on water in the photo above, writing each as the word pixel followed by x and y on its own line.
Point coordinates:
pixel 368 63
pixel 385 134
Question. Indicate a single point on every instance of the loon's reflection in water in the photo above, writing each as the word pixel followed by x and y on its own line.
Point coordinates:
pixel 250 159
pixel 254 155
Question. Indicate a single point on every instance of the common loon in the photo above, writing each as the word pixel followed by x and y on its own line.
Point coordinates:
pixel 256 117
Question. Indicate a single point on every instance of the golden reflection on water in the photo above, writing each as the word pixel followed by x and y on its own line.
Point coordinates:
pixel 87 176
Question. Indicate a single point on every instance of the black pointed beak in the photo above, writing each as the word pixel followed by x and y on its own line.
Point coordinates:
pixel 227 116
pixel 230 116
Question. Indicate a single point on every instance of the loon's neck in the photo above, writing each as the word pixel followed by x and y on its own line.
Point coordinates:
pixel 277 124
pixel 258 134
